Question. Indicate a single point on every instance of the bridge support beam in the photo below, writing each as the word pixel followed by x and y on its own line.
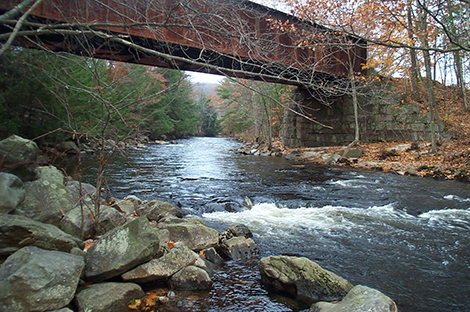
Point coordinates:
pixel 383 117
pixel 298 131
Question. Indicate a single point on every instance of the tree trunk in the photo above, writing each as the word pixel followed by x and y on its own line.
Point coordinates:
pixel 413 57
pixel 429 82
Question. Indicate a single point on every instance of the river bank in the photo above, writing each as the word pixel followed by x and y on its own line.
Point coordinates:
pixel 451 162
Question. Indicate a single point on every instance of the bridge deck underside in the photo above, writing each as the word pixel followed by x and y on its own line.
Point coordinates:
pixel 236 38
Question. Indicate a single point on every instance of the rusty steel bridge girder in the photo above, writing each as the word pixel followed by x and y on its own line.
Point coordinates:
pixel 232 37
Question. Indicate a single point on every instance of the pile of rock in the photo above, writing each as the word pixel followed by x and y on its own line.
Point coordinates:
pixel 258 149
pixel 47 265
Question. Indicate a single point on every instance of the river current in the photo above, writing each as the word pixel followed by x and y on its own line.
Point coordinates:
pixel 405 236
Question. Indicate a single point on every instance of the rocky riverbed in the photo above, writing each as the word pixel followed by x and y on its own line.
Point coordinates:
pixel 62 252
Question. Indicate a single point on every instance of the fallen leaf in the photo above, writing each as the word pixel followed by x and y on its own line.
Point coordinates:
pixel 88 244
pixel 135 304
pixel 171 244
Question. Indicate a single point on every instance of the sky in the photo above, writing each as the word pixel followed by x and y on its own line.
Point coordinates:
pixel 196 77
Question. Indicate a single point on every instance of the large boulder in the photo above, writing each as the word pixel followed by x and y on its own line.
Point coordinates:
pixel 191 278
pixel 12 192
pixel 109 219
pixel 33 279
pixel 105 297
pixel 156 210
pixel 359 299
pixel 19 156
pixel 302 278
pixel 122 249
pixel 17 232
pixel 80 193
pixel 192 232
pixel 48 198
pixel 162 268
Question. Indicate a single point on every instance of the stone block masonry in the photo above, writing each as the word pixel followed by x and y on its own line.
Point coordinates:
pixel 382 117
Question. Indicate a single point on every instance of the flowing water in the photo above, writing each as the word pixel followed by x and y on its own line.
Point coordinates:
pixel 407 237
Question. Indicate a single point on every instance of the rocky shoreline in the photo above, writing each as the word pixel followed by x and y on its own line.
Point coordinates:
pixel 60 253
pixel 452 162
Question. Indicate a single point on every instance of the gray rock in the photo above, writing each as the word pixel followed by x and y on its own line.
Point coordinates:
pixel 83 192
pixel 121 249
pixel 46 198
pixel 12 192
pixel 33 279
pixel 359 299
pixel 68 147
pixel 162 268
pixel 106 297
pixel 354 153
pixel 127 205
pixel 207 266
pixel 156 210
pixel 19 156
pixel 17 232
pixel 191 278
pixel 239 248
pixel 302 279
pixel 238 230
pixel 192 232
pixel 211 255
pixel 109 219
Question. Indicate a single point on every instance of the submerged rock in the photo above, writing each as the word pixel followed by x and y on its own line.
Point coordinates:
pixel 33 279
pixel 302 278
pixel 359 299
pixel 121 249
pixel 106 297
pixel 12 192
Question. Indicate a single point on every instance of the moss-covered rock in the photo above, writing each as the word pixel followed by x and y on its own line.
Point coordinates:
pixel 359 299
pixel 192 232
pixel 33 279
pixel 302 278
pixel 121 249
pixel 19 157
pixel 17 232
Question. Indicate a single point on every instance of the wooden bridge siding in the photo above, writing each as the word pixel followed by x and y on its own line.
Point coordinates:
pixel 128 11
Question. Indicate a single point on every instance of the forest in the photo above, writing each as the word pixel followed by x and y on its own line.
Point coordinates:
pixel 416 48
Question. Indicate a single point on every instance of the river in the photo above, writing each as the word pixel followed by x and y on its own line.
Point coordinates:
pixel 408 237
